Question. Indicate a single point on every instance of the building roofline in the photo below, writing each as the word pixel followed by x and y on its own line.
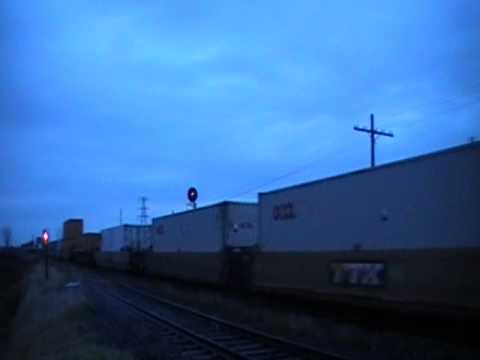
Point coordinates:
pixel 136 225
pixel 222 203
pixel 378 167
pixel 125 226
pixel 73 220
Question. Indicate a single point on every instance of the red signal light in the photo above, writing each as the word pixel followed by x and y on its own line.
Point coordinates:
pixel 45 237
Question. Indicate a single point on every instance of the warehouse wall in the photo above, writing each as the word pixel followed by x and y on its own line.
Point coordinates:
pixel 444 276
pixel 427 202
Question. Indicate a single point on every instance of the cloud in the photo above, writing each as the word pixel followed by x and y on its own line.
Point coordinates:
pixel 103 102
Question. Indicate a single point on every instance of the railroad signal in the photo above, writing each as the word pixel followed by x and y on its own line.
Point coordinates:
pixel 45 237
pixel 192 195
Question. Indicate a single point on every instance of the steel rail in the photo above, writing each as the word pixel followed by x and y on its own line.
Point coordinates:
pixel 244 343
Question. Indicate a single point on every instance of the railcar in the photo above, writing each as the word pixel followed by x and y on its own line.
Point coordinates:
pixel 402 233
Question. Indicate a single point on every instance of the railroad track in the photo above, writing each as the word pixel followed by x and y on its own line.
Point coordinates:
pixel 203 336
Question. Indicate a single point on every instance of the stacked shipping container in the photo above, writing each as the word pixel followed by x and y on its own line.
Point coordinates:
pixel 123 237
pixel 408 230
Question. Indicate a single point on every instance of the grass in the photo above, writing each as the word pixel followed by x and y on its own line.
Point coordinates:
pixel 54 322
pixel 12 270
pixel 331 335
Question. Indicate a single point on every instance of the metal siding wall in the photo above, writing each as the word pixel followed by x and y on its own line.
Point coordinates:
pixel 197 230
pixel 430 202
pixel 240 215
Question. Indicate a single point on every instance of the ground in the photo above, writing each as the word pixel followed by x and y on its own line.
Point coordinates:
pixel 331 333
pixel 66 317
pixel 56 322
pixel 12 271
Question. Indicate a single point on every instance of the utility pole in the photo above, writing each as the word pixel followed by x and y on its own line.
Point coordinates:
pixel 121 217
pixel 143 210
pixel 372 131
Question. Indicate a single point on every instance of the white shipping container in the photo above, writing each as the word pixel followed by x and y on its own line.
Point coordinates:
pixel 430 201
pixel 207 229
pixel 138 236
pixel 126 236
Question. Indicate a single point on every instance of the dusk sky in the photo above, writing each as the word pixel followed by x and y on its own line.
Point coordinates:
pixel 105 101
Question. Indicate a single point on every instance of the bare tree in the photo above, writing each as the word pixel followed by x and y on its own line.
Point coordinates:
pixel 7 236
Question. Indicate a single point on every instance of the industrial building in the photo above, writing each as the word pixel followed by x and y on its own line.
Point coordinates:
pixel 126 237
pixel 407 230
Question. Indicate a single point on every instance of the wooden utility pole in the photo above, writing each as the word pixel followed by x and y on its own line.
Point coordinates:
pixel 372 131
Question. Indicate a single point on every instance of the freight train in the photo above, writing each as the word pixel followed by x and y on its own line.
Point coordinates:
pixel 407 232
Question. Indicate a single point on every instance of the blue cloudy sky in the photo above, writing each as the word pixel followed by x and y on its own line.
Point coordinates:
pixel 104 101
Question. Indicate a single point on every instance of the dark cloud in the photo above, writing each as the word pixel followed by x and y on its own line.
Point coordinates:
pixel 103 102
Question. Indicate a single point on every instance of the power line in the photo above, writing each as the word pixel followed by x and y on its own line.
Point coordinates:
pixel 309 164
pixel 461 106
pixel 274 180
pixel 443 101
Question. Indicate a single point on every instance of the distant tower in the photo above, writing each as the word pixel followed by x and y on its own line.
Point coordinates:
pixel 143 210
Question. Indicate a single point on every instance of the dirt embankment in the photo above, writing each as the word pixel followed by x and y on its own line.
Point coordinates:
pixel 14 265
pixel 55 321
